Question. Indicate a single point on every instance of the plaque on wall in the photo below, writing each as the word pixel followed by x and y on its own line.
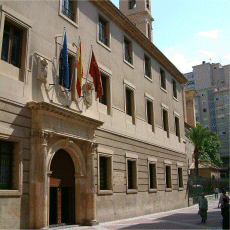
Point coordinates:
pixel 118 178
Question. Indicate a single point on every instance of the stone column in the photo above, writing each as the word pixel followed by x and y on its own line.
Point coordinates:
pixel 38 180
pixel 90 186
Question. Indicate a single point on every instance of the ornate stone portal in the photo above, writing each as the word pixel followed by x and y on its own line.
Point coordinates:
pixel 53 128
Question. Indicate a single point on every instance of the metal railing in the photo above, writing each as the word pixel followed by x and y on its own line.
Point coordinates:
pixel 68 13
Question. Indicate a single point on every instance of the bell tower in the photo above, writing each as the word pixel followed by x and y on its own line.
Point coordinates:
pixel 139 12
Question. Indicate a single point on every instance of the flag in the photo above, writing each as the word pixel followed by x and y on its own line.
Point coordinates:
pixel 65 63
pixel 95 74
pixel 79 67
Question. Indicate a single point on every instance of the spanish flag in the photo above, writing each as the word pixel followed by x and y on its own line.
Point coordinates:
pixel 95 74
pixel 79 67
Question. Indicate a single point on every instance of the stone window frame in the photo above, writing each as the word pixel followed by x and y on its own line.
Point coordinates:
pixel 108 31
pixel 177 116
pixel 150 99
pixel 165 108
pixel 17 172
pixel 180 166
pixel 74 22
pixel 131 53
pixel 108 153
pixel 128 85
pixel 106 109
pixel 25 25
pixel 153 161
pixel 134 158
pixel 168 163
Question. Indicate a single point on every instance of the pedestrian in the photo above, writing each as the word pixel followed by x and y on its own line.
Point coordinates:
pixel 216 193
pixel 203 207
pixel 225 213
pixel 223 195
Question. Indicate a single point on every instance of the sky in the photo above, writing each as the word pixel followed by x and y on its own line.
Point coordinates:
pixel 188 32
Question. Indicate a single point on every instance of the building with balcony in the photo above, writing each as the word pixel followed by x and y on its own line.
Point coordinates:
pixel 71 160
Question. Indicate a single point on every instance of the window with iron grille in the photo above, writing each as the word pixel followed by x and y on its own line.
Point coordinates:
pixel 152 176
pixel 12 45
pixel 168 177
pixel 6 155
pixel 180 178
pixel 103 173
pixel 131 174
pixel 69 9
pixel 147 67
pixel 103 31
pixel 128 50
pixel 174 89
pixel 163 80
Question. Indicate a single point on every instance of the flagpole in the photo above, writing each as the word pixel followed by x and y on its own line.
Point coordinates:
pixel 90 56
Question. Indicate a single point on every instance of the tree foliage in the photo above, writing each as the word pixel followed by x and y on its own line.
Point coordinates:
pixel 209 150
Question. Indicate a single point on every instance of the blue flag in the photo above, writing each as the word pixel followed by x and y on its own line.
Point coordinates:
pixel 65 64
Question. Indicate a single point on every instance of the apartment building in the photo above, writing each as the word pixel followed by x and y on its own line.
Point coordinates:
pixel 66 159
pixel 211 81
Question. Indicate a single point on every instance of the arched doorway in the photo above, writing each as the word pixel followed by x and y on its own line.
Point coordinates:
pixel 62 189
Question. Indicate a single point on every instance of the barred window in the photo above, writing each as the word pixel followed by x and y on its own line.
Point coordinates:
pixel 69 9
pixel 6 155
pixel 103 31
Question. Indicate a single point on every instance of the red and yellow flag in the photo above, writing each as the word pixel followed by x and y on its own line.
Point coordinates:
pixel 79 67
pixel 95 74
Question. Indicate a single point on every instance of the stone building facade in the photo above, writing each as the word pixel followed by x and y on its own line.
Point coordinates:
pixel 70 160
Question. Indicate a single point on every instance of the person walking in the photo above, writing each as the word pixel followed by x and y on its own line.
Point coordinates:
pixel 216 193
pixel 225 213
pixel 222 196
pixel 203 207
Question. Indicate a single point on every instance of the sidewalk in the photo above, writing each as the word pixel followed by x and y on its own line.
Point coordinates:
pixel 185 218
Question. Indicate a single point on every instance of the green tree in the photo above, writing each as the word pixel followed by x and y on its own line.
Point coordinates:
pixel 209 150
pixel 198 135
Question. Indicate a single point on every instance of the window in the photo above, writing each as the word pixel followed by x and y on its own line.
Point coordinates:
pixel 12 45
pixel 105 98
pixel 147 66
pixel 152 176
pixel 131 173
pixel 163 80
pixel 130 103
pixel 174 89
pixel 168 180
pixel 128 50
pixel 177 127
pixel 204 110
pixel 105 172
pixel 150 116
pixel 147 4
pixel 69 9
pixel 165 121
pixel 203 94
pixel 6 155
pixel 132 4
pixel 180 178
pixel 103 34
pixel 204 102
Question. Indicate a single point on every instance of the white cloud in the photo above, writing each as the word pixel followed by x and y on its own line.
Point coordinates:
pixel 208 53
pixel 182 63
pixel 227 58
pixel 209 34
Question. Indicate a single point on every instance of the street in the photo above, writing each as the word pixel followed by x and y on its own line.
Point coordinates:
pixel 185 218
